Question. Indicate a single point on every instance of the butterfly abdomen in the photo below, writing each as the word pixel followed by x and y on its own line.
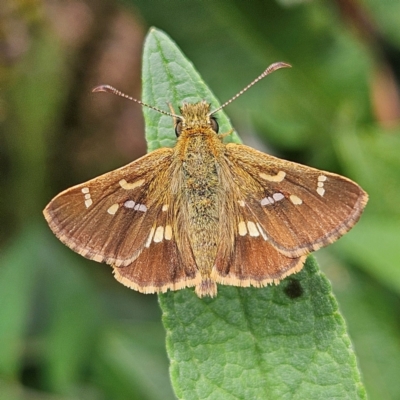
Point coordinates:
pixel 200 198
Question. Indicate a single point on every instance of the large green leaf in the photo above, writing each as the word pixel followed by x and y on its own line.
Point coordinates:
pixel 282 342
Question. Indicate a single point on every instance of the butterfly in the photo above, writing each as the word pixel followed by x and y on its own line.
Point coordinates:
pixel 205 212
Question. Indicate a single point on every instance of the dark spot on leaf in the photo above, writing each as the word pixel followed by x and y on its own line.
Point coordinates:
pixel 293 289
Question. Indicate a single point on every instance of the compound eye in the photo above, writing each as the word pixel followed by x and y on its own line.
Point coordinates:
pixel 214 124
pixel 178 127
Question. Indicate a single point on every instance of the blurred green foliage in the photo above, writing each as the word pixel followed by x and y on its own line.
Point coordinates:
pixel 67 329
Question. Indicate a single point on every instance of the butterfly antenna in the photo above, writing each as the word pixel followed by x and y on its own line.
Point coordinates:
pixel 271 68
pixel 113 90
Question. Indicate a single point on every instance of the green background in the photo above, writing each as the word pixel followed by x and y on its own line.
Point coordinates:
pixel 67 329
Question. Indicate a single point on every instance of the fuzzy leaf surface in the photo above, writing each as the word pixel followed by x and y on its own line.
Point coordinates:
pixel 279 342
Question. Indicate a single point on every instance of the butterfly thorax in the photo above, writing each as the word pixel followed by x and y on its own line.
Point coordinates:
pixel 199 150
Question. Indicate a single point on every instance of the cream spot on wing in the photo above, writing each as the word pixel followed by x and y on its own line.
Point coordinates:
pixel 113 209
pixel 150 238
pixel 241 203
pixel 129 186
pixel 279 177
pixel 261 230
pixel 88 203
pixel 165 207
pixel 295 200
pixel 322 178
pixel 321 191
pixel 242 228
pixel 87 196
pixel 168 232
pixel 158 235
pixel 129 204
pixel 253 231
pixel 85 190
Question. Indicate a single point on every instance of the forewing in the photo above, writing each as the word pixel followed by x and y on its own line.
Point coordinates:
pixel 109 218
pixel 299 208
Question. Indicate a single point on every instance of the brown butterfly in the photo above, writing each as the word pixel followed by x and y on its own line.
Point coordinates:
pixel 205 212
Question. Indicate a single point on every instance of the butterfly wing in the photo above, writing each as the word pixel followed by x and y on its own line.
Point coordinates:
pixel 126 218
pixel 109 218
pixel 299 208
pixel 283 211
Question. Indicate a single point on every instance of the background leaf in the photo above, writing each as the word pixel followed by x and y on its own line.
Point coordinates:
pixel 279 341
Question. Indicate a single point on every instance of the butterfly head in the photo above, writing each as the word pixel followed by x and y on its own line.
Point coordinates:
pixel 195 116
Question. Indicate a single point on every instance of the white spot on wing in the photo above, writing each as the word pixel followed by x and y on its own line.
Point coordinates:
pixel 88 200
pixel 165 207
pixel 278 196
pixel 140 207
pixel 129 204
pixel 264 201
pixel 320 185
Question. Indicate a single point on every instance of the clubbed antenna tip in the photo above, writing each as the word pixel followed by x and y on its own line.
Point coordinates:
pixel 273 67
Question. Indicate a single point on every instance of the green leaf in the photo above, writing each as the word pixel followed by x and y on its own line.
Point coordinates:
pixel 378 257
pixel 372 315
pixel 283 342
pixel 74 318
pixel 18 276
pixel 132 362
